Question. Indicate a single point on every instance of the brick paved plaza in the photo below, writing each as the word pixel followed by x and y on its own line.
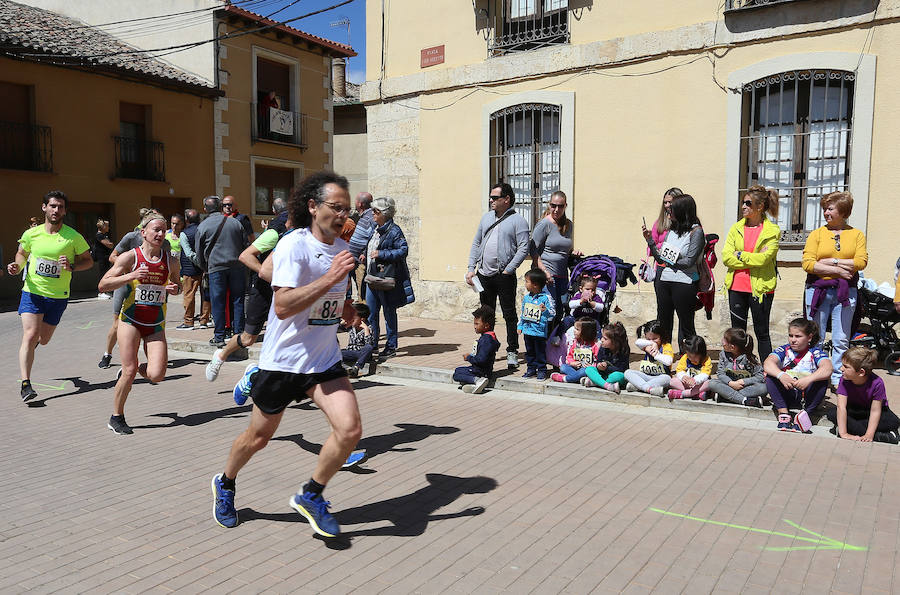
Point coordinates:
pixel 504 492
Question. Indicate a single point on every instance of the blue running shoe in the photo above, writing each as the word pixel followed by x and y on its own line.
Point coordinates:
pixel 315 509
pixel 223 507
pixel 242 388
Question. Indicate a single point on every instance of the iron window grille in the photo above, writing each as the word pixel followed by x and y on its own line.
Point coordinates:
pixel 523 25
pixel 795 137
pixel 26 147
pixel 525 153
pixel 139 159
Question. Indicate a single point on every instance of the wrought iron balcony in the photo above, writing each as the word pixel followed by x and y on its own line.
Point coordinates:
pixel 740 4
pixel 275 125
pixel 139 159
pixel 523 25
pixel 25 146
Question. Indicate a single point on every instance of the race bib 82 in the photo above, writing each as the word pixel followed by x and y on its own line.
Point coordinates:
pixel 327 309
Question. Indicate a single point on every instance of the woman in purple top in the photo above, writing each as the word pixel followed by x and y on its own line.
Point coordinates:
pixel 862 412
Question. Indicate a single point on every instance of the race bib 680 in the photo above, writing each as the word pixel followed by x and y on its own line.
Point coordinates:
pixel 47 268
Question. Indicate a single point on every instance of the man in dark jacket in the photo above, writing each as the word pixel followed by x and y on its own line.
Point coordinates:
pixel 191 275
pixel 220 241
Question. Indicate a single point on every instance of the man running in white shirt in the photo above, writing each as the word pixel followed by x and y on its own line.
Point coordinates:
pixel 301 356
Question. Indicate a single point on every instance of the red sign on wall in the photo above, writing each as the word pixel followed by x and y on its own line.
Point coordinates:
pixel 432 56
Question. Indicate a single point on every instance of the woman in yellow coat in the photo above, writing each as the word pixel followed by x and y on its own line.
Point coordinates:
pixel 749 253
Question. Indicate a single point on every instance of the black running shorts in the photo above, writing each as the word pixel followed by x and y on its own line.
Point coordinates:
pixel 273 391
pixel 257 307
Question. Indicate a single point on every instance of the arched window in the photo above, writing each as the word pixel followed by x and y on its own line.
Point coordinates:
pixel 795 137
pixel 525 153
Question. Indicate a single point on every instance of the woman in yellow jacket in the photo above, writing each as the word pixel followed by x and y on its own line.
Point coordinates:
pixel 749 253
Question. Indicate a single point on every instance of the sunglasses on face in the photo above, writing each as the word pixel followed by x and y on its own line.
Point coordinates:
pixel 493 198
pixel 748 203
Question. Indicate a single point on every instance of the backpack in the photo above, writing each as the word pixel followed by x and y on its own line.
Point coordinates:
pixel 706 289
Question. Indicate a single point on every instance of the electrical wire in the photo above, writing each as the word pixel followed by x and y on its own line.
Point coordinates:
pixel 140 19
pixel 184 46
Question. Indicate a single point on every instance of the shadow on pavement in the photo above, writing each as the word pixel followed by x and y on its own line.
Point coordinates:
pixel 197 419
pixel 409 515
pixel 186 361
pixel 417 332
pixel 83 386
pixel 376 445
pixel 428 349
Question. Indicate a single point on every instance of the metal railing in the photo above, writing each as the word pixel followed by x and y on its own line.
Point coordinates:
pixel 282 126
pixel 139 159
pixel 739 4
pixel 523 25
pixel 25 146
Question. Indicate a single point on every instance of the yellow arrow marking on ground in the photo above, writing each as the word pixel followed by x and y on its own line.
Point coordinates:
pixel 822 543
pixel 87 326
pixel 50 386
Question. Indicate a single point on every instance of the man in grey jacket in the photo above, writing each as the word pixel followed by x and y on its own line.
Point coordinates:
pixel 219 242
pixel 499 247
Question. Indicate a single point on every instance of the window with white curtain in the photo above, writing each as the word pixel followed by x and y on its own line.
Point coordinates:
pixel 525 153
pixel 795 137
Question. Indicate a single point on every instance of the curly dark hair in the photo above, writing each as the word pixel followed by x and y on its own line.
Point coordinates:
pixel 312 187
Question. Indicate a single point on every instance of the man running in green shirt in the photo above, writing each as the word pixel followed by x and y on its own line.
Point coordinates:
pixel 48 253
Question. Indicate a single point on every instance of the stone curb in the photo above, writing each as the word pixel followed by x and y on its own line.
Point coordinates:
pixel 521 385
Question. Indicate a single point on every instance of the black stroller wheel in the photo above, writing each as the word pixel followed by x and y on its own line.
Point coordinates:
pixel 892 363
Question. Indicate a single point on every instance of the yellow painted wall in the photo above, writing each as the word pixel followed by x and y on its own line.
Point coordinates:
pixel 83 112
pixel 239 90
pixel 635 137
pixel 455 25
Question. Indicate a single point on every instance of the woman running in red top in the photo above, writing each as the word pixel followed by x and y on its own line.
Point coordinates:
pixel 150 275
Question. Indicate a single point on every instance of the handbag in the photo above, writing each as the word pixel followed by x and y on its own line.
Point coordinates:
pixel 647 270
pixel 381 277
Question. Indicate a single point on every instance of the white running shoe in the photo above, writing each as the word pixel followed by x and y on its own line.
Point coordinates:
pixel 214 365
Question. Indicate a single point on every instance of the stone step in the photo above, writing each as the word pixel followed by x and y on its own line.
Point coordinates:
pixel 391 368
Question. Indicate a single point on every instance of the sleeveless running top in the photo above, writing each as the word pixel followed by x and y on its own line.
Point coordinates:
pixel 145 303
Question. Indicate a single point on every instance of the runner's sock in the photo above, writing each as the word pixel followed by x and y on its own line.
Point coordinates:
pixel 227 482
pixel 313 486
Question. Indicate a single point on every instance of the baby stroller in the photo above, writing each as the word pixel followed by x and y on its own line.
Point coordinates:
pixel 878 333
pixel 605 271
pixel 611 272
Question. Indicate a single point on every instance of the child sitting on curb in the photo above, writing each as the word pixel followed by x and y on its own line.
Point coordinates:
pixel 582 353
pixel 475 377
pixel 739 375
pixel 692 371
pixel 798 372
pixel 655 369
pixel 360 342
pixel 862 412
pixel 612 360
